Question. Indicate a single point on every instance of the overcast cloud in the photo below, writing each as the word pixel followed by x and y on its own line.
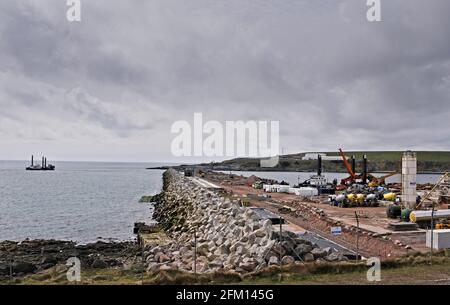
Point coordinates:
pixel 110 87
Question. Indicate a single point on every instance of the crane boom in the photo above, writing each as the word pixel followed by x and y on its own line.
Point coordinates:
pixel 347 165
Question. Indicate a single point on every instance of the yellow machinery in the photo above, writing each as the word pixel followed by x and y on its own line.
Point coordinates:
pixel 360 198
pixel 442 226
pixel 390 196
pixel 355 198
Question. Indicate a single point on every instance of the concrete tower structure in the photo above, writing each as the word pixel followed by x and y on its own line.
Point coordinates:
pixel 409 179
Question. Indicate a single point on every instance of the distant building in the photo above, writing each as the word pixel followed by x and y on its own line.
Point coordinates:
pixel 313 156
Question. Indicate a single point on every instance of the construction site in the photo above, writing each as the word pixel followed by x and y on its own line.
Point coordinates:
pixel 361 215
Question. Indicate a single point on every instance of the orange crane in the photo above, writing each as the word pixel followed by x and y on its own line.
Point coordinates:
pixel 347 165
pixel 373 181
pixel 353 176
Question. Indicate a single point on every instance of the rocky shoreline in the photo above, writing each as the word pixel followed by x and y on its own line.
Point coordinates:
pixel 18 259
pixel 211 232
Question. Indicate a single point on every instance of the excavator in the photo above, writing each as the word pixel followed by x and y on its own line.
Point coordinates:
pixel 365 176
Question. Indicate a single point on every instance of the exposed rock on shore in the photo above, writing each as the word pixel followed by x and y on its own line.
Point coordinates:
pixel 31 256
pixel 221 233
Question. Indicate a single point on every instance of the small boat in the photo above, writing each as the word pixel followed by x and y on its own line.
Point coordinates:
pixel 40 167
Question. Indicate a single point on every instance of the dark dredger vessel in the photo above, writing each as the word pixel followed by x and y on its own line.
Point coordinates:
pixel 40 167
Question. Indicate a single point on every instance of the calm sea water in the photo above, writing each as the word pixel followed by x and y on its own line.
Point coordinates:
pixel 80 201
pixel 295 177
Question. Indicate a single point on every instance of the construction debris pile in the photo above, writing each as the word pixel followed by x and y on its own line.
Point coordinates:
pixel 209 232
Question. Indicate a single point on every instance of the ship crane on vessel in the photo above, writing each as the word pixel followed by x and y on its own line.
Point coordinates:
pixel 40 167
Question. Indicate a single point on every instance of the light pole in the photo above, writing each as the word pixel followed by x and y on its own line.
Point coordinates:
pixel 281 240
pixel 431 232
pixel 357 236
pixel 195 254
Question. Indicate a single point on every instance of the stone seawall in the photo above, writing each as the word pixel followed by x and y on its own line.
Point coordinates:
pixel 219 232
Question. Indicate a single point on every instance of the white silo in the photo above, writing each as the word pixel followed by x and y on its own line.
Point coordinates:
pixel 409 179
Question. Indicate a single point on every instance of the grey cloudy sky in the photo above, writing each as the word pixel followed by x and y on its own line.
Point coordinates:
pixel 110 87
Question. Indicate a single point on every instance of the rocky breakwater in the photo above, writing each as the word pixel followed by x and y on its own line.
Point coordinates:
pixel 210 232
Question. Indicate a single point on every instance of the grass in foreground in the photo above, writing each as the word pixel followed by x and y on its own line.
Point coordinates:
pixel 409 270
pixel 426 274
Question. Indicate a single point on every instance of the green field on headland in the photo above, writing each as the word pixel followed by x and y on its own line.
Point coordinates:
pixel 436 156
pixel 379 161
